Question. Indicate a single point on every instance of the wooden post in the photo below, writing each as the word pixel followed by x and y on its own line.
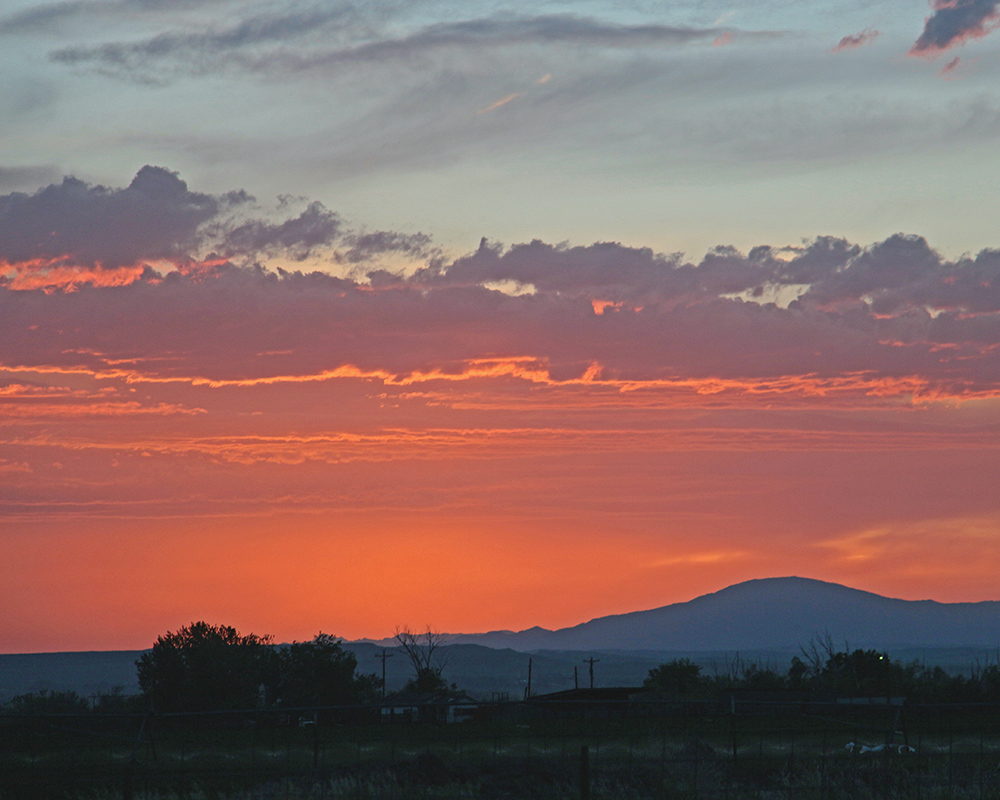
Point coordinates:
pixel 127 781
pixel 585 772
pixel 383 655
pixel 529 678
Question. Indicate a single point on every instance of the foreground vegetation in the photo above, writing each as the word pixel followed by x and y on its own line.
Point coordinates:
pixel 688 751
pixel 227 716
pixel 824 671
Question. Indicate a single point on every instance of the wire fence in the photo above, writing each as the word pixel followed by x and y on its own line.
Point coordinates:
pixel 510 750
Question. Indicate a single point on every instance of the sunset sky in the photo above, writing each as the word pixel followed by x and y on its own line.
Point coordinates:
pixel 319 315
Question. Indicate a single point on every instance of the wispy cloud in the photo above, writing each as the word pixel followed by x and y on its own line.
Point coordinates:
pixel 331 37
pixel 852 42
pixel 501 102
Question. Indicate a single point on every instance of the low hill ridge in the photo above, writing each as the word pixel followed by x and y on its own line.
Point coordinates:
pixel 769 614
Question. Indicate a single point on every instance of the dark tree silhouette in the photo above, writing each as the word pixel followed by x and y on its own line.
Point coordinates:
pixel 680 677
pixel 320 673
pixel 204 667
pixel 48 702
pixel 420 649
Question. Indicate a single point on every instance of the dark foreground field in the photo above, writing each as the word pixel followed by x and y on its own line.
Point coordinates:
pixel 926 752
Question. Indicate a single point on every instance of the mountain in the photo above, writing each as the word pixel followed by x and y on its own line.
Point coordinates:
pixel 86 673
pixel 765 620
pixel 770 614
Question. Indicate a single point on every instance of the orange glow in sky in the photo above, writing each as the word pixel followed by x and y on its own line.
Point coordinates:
pixel 290 452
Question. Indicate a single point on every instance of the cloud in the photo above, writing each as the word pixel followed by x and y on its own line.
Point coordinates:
pixel 316 226
pixel 890 320
pixel 154 217
pixel 334 37
pixel 867 36
pixel 501 102
pixel 45 16
pixel 893 319
pixel 953 23
pixel 20 177
pixel 26 403
pixel 198 51
pixel 74 232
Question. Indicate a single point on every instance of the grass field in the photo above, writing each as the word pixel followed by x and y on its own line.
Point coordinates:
pixel 946 753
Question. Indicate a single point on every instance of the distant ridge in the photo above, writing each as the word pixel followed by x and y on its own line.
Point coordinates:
pixel 768 618
pixel 770 614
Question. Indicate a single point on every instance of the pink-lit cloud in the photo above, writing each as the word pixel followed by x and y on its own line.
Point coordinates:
pixel 951 66
pixel 852 42
pixel 890 319
pixel 955 22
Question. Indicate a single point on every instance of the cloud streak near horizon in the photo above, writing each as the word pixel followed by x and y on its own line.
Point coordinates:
pixel 823 318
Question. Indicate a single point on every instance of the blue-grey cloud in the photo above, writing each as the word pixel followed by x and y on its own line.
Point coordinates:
pixel 73 224
pixel 47 16
pixel 42 17
pixel 315 227
pixel 954 22
pixel 26 176
pixel 156 216
pixel 334 39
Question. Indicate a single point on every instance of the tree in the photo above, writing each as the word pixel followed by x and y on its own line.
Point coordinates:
pixel 680 677
pixel 761 678
pixel 204 667
pixel 48 702
pixel 862 672
pixel 320 673
pixel 427 668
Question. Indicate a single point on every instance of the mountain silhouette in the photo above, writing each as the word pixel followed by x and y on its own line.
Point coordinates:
pixel 771 614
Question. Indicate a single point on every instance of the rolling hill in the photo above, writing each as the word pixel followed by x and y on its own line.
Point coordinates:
pixel 771 614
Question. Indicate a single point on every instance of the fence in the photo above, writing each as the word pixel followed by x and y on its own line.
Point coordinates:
pixel 516 750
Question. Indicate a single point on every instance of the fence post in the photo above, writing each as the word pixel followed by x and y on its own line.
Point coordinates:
pixel 127 780
pixel 695 777
pixel 951 763
pixel 822 769
pixel 980 760
pixel 584 772
pixel 315 728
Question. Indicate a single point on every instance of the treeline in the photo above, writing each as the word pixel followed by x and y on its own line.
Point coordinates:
pixel 824 672
pixel 203 667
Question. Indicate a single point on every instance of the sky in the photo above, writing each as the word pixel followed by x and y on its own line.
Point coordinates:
pixel 470 315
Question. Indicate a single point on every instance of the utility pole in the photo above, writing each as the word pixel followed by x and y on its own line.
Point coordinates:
pixel 383 655
pixel 591 661
pixel 576 679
